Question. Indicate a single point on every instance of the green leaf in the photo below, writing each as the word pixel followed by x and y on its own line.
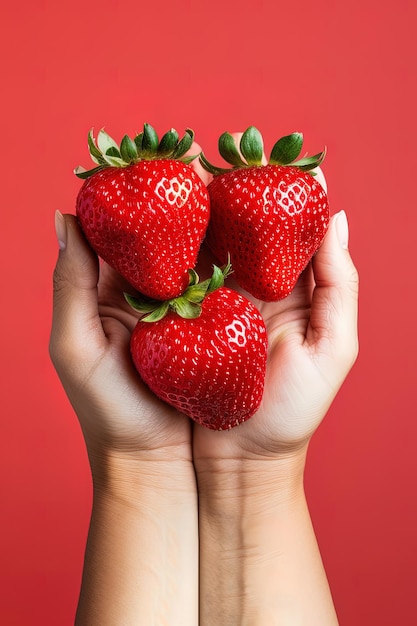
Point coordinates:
pixel 308 160
pixel 113 152
pixel 168 143
pixel 185 308
pixel 142 305
pixel 217 279
pixel 128 149
pixel 251 146
pixel 194 278
pixel 150 140
pixel 213 169
pixel 219 276
pixel 309 163
pixel 227 269
pixel 158 313
pixel 228 150
pixel 189 159
pixel 138 142
pixel 95 153
pixel 114 161
pixel 82 173
pixel 184 145
pixel 286 149
pixel 105 142
pixel 196 293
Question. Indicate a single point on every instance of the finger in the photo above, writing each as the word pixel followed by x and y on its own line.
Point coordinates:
pixel 205 176
pixel 76 325
pixel 112 286
pixel 112 303
pixel 334 309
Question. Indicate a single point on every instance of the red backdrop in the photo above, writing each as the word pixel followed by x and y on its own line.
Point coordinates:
pixel 344 74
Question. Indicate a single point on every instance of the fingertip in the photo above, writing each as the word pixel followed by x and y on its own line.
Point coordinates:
pixel 335 299
pixel 60 230
pixel 75 278
pixel 342 229
pixel 77 263
pixel 336 239
pixel 333 267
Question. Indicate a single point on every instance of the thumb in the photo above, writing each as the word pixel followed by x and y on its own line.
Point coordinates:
pixel 76 325
pixel 334 309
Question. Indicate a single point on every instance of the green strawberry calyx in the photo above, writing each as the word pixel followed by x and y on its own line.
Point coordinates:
pixel 145 146
pixel 250 152
pixel 188 305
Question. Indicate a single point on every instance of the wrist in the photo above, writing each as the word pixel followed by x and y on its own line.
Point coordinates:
pixel 141 560
pixel 263 483
pixel 259 558
pixel 131 478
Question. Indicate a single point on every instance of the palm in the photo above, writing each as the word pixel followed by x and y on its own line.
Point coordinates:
pixel 113 404
pixel 292 380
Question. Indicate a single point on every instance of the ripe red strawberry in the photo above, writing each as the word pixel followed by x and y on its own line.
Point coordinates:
pixel 271 218
pixel 144 210
pixel 203 353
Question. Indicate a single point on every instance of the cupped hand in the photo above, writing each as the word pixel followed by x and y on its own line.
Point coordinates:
pixel 313 344
pixel 89 347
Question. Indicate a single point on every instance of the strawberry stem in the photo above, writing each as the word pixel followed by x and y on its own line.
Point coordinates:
pixel 145 146
pixel 188 305
pixel 250 153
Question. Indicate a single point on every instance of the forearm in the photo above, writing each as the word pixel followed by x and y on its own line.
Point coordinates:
pixel 141 561
pixel 260 563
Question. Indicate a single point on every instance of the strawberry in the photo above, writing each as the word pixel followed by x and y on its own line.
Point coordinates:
pixel 271 218
pixel 144 210
pixel 203 353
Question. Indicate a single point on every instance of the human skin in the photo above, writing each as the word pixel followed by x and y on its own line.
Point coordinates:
pixel 248 523
pixel 141 561
pixel 259 559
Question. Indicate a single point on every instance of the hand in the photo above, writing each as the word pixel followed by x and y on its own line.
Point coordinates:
pixel 89 347
pixel 259 559
pixel 312 346
pixel 144 496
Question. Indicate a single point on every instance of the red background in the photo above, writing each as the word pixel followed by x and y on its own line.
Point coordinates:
pixel 344 74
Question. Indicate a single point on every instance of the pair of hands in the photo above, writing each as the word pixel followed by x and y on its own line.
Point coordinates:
pixel 312 346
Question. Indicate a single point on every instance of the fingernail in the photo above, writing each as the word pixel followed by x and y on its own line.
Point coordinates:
pixel 342 229
pixel 61 230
